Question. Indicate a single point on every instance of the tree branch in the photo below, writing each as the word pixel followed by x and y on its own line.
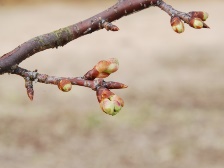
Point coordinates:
pixel 31 76
pixel 64 35
pixel 109 102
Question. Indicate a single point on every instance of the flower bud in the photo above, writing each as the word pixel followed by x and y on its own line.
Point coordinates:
pixel 113 65
pixel 196 23
pixel 103 69
pixel 109 102
pixel 118 99
pixel 177 24
pixel 205 16
pixel 107 106
pixel 112 106
pixel 102 66
pixel 65 85
pixel 107 66
pixel 202 15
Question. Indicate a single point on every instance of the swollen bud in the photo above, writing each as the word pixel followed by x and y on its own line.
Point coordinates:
pixel 202 15
pixel 177 24
pixel 107 106
pixel 107 66
pixel 65 85
pixel 103 69
pixel 120 101
pixel 113 65
pixel 196 23
pixel 111 105
pixel 205 16
pixel 109 102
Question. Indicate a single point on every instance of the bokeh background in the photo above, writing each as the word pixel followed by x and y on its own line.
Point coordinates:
pixel 174 106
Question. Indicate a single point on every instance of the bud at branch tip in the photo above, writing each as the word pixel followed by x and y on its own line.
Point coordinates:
pixel 196 23
pixel 109 102
pixel 177 24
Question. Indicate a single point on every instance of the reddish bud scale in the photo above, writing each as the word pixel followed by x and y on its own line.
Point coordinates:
pixel 92 74
pixel 103 75
pixel 65 85
pixel 205 25
pixel 109 26
pixel 103 93
pixel 199 14
pixel 30 93
pixel 177 24
pixel 115 85
pixel 29 89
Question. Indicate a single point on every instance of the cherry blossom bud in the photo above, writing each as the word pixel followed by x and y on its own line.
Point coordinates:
pixel 112 106
pixel 177 24
pixel 205 16
pixel 65 85
pixel 196 23
pixel 200 14
pixel 113 65
pixel 103 69
pixel 109 102
pixel 107 66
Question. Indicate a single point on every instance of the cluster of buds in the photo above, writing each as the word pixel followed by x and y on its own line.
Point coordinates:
pixel 109 102
pixel 196 21
pixel 65 85
pixel 103 69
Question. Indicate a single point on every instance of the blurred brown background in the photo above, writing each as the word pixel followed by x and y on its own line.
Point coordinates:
pixel 174 106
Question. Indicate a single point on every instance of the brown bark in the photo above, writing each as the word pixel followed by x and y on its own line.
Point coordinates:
pixel 64 35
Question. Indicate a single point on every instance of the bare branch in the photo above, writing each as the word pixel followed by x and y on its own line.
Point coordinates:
pixel 64 35
pixel 109 102
pixel 33 76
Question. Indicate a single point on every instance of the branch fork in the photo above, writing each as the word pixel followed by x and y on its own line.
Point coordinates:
pixel 94 78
